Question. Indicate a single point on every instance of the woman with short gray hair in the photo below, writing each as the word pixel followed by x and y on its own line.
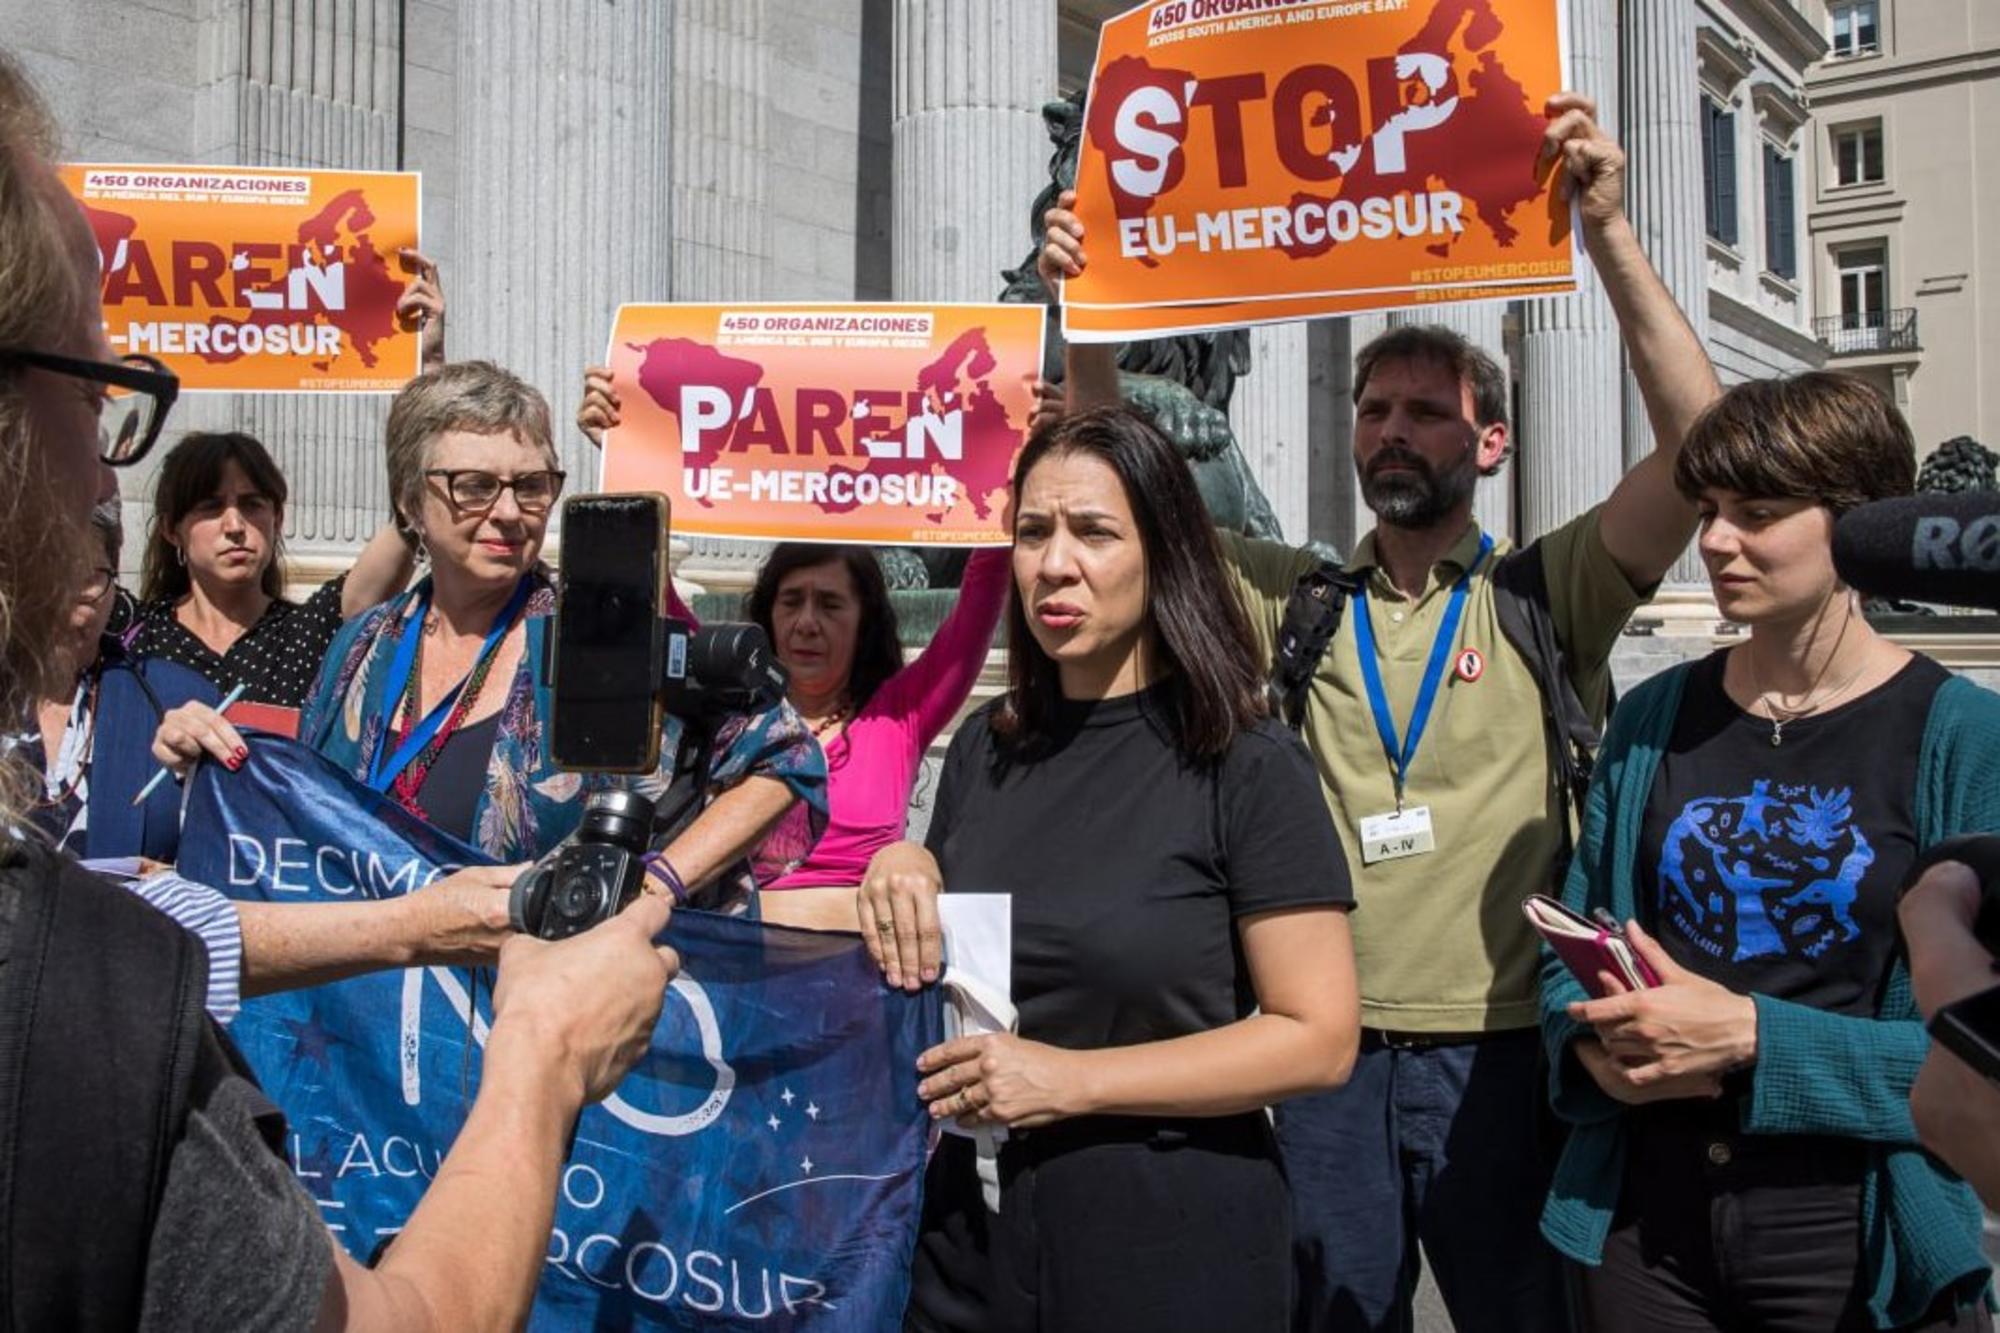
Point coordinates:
pixel 474 396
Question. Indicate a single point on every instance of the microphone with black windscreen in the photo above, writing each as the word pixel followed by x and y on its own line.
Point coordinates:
pixel 1924 548
pixel 1944 549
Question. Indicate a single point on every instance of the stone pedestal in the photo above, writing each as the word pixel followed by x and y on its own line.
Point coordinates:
pixel 969 147
pixel 1570 454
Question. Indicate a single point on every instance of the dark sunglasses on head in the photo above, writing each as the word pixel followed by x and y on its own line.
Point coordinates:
pixel 138 392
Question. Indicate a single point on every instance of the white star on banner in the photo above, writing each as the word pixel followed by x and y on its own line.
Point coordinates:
pixel 812 1110
pixel 806 1166
pixel 773 1123
pixel 786 1097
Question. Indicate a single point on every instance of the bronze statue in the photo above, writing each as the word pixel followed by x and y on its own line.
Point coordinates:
pixel 1183 382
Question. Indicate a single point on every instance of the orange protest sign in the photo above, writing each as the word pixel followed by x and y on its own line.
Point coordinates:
pixel 1326 156
pixel 836 423
pixel 253 280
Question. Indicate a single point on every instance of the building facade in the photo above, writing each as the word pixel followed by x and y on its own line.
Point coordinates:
pixel 578 154
pixel 1902 206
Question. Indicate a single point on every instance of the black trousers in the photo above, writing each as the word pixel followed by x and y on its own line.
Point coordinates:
pixel 1108 1225
pixel 1743 1233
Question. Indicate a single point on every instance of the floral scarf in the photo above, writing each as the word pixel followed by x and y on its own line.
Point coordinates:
pixel 529 805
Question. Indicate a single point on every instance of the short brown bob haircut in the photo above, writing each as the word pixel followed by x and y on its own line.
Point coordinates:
pixel 1820 436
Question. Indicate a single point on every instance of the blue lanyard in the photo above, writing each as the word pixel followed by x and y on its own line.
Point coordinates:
pixel 1371 671
pixel 384 767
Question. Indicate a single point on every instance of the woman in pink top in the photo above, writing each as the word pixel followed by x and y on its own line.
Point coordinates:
pixel 827 611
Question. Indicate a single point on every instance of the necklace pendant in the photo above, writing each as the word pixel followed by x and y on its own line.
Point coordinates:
pixel 1777 734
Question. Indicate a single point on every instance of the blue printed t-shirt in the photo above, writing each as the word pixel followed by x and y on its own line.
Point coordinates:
pixel 1774 869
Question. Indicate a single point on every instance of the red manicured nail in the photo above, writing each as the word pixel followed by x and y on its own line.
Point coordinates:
pixel 232 763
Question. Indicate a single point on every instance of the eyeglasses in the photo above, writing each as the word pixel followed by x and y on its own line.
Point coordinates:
pixel 475 491
pixel 138 392
pixel 99 585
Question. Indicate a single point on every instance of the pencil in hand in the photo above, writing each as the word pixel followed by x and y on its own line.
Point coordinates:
pixel 161 776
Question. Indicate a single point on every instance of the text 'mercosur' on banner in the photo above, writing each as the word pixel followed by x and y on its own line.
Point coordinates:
pixel 1250 161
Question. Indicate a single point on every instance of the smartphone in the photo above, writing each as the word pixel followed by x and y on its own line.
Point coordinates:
pixel 608 635
pixel 1970 1030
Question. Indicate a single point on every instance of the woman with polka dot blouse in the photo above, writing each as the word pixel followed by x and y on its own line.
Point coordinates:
pixel 212 599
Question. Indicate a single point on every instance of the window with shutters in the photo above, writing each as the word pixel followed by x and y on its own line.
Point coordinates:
pixel 1781 254
pixel 1718 160
pixel 1857 153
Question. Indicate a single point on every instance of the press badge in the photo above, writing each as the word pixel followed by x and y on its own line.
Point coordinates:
pixel 1401 833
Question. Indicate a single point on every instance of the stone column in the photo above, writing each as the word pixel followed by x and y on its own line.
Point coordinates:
pixel 1339 515
pixel 1664 184
pixel 563 118
pixel 721 212
pixel 1335 515
pixel 970 151
pixel 1481 323
pixel 1662 137
pixel 1569 453
pixel 1271 414
pixel 722 219
pixel 296 86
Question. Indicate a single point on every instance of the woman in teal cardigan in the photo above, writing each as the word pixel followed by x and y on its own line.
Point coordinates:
pixel 1741 1154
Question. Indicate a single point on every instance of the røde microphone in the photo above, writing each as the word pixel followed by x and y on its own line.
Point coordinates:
pixel 1924 548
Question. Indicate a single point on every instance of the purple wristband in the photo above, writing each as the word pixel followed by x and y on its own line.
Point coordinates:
pixel 662 869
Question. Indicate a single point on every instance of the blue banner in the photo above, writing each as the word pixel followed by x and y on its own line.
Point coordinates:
pixel 761 1167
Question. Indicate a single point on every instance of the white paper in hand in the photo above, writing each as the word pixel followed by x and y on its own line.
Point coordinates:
pixel 978 987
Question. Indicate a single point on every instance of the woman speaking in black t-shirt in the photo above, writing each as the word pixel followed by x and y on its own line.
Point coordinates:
pixel 1181 956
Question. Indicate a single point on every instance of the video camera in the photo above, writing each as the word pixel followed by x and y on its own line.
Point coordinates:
pixel 617 666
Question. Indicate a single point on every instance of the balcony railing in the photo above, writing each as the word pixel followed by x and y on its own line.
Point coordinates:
pixel 1866 331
